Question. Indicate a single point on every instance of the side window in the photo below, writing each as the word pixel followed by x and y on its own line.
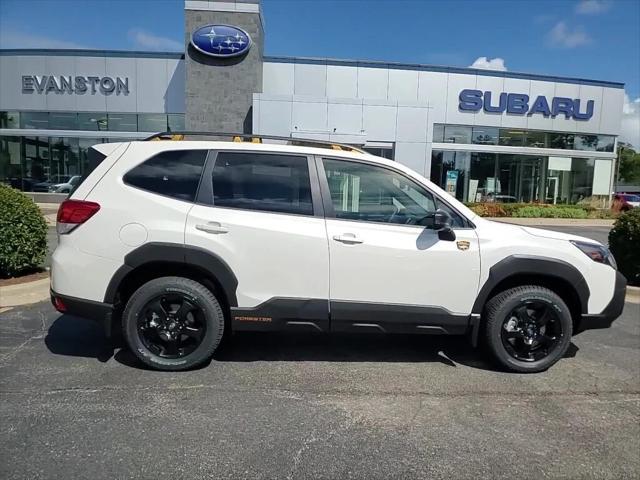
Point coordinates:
pixel 376 194
pixel 262 181
pixel 175 173
pixel 457 221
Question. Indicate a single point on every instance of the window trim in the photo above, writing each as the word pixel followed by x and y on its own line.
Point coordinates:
pixel 195 197
pixel 205 191
pixel 328 204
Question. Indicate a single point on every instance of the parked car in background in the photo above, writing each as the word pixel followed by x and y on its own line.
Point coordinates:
pixel 625 201
pixel 58 184
pixel 65 187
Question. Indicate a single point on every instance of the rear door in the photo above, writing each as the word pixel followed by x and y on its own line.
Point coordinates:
pixel 261 213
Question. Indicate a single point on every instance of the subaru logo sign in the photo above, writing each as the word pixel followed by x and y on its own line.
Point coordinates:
pixel 521 104
pixel 221 40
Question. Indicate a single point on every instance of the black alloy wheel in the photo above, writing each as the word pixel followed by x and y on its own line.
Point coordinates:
pixel 173 323
pixel 171 326
pixel 527 329
pixel 531 331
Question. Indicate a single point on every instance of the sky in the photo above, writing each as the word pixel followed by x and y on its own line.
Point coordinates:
pixel 594 39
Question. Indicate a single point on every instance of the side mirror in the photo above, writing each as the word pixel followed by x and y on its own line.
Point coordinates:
pixel 442 222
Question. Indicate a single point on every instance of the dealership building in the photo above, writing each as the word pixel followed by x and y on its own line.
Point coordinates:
pixel 482 135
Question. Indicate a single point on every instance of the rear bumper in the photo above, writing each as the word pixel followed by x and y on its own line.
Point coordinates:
pixel 101 313
pixel 611 311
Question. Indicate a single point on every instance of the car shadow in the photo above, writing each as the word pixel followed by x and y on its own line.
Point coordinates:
pixel 77 337
pixel 71 336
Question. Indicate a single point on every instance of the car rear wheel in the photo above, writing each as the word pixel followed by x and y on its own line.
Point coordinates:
pixel 528 328
pixel 173 323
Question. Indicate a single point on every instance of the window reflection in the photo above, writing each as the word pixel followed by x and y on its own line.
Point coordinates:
pixel 457 134
pixel 512 137
pixel 485 135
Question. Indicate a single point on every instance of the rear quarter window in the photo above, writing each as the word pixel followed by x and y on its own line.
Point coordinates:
pixel 175 174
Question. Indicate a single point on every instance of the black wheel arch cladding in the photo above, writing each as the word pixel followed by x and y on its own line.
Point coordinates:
pixel 185 255
pixel 535 267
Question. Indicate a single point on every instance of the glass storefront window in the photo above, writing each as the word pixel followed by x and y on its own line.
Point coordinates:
pixel 10 165
pixel 585 142
pixel 457 134
pixel 519 178
pixel 380 152
pixel 65 159
pixel 485 135
pixel 35 166
pixel 63 121
pixel 561 140
pixel 122 122
pixel 605 143
pixel 92 121
pixel 483 185
pixel 536 139
pixel 34 120
pixel 152 122
pixel 9 120
pixel 510 137
pixel 449 171
pixel 175 122
pixel 438 133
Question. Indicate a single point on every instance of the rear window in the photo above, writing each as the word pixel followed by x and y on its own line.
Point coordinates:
pixel 175 173
pixel 267 182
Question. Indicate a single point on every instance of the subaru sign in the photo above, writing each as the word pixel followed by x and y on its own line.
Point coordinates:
pixel 221 40
pixel 520 104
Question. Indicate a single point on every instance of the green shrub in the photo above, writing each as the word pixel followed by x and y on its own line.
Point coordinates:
pixel 624 241
pixel 23 233
pixel 539 211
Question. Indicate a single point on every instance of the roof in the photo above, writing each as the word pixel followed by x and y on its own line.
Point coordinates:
pixel 321 61
pixel 90 53
pixel 438 68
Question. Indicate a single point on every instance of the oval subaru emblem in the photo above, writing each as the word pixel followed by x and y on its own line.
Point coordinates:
pixel 221 40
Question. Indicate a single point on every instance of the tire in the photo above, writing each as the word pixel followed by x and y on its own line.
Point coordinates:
pixel 513 320
pixel 199 334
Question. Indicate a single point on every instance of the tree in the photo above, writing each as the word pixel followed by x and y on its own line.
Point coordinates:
pixel 629 164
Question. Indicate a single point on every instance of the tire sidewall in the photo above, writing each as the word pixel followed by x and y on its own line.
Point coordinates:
pixel 495 330
pixel 134 308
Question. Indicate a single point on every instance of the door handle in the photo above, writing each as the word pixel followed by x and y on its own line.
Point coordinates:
pixel 212 227
pixel 349 238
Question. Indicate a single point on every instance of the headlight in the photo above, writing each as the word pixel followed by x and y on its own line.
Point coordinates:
pixel 597 253
pixel 53 189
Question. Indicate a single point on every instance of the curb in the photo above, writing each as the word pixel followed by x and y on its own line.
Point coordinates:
pixel 24 293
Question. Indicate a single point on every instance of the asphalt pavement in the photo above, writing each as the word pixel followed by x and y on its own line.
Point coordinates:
pixel 313 406
pixel 72 405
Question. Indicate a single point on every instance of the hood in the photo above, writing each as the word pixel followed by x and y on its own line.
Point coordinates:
pixel 539 232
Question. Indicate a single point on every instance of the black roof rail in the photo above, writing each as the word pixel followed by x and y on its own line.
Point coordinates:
pixel 253 138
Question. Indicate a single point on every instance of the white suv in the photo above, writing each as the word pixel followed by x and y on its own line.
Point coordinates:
pixel 182 242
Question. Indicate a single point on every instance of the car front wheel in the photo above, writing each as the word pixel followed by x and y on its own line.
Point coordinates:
pixel 173 323
pixel 528 328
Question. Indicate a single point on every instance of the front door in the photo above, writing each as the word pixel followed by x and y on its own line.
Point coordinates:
pixel 258 213
pixel 387 271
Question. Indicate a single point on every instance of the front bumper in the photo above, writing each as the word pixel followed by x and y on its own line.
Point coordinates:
pixel 611 311
pixel 99 312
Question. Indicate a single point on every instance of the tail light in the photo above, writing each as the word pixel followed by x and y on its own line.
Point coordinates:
pixel 73 213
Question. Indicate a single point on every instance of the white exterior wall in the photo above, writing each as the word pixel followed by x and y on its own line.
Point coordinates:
pixel 381 103
pixel 156 85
